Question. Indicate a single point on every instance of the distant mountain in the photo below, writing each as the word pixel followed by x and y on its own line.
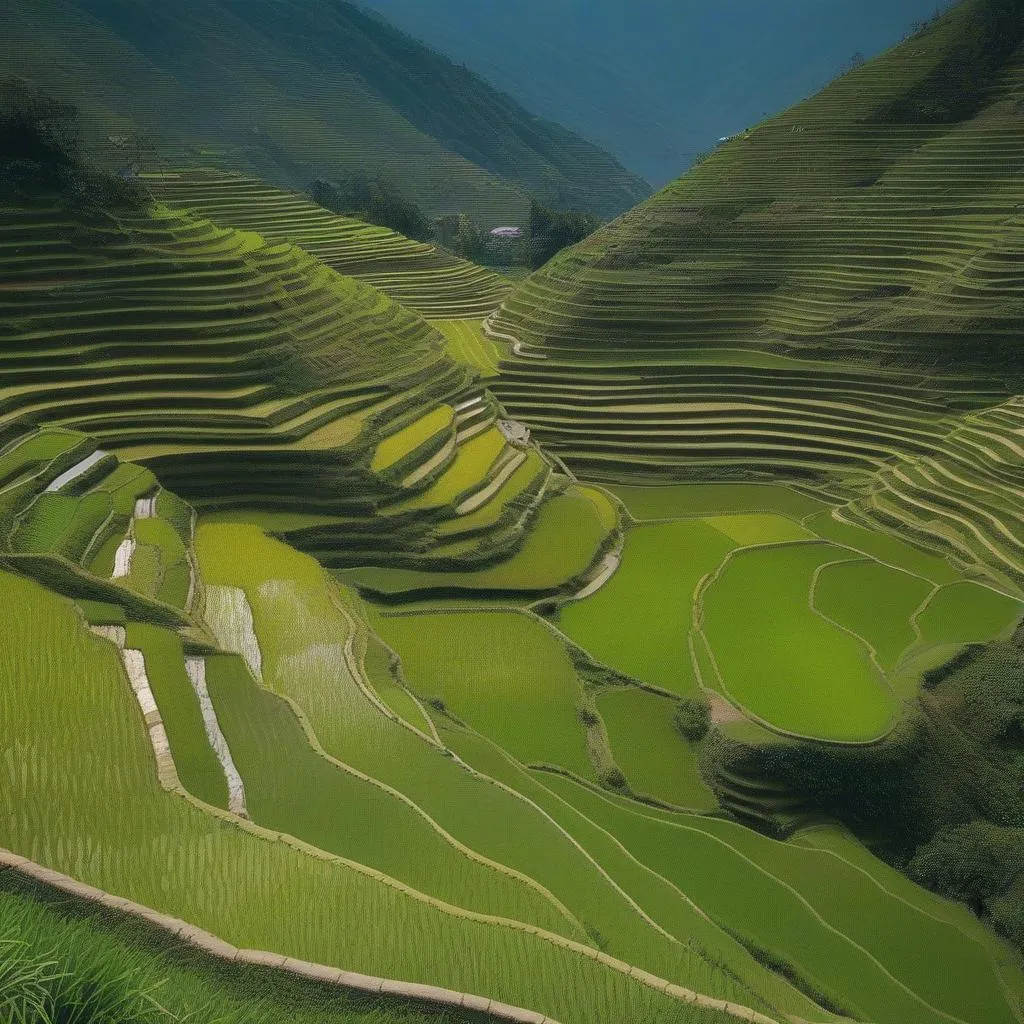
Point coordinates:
pixel 293 89
pixel 657 81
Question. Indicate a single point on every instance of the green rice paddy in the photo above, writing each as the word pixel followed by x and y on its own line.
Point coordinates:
pixel 968 613
pixel 404 442
pixel 839 925
pixel 503 673
pixel 655 758
pixel 673 501
pixel 874 601
pixel 561 544
pixel 639 621
pixel 468 344
pixel 471 464
pixel 782 662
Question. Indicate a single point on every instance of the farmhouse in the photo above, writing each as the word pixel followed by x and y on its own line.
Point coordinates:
pixel 514 431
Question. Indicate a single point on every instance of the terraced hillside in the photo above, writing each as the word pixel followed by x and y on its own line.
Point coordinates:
pixel 419 276
pixel 822 299
pixel 266 771
pixel 248 375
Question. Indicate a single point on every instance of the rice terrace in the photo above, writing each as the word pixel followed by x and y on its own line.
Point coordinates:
pixel 446 578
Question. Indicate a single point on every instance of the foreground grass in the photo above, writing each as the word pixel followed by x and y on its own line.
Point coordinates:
pixel 62 961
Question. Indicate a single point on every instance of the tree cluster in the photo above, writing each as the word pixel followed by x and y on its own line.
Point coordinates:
pixel 40 152
pixel 373 199
pixel 376 200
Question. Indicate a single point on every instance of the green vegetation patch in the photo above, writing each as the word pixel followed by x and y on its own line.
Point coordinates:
pixel 291 788
pixel 782 662
pixel 639 620
pixel 671 501
pixel 504 673
pixel 872 954
pixel 562 542
pixel 398 445
pixel 470 466
pixel 873 600
pixel 885 547
pixel 655 758
pixel 968 612
pixel 763 528
pixel 467 344
pixel 198 768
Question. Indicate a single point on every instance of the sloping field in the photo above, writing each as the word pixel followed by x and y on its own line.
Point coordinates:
pixel 650 751
pixel 830 297
pixel 419 276
pixel 639 621
pixel 500 672
pixel 194 344
pixel 784 664
pixel 248 375
pixel 108 825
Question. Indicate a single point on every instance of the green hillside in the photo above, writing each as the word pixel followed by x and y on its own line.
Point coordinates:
pixel 421 277
pixel 296 91
pixel 830 297
pixel 249 375
pixel 580 650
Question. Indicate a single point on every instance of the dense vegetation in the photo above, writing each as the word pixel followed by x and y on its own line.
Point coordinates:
pixel 40 150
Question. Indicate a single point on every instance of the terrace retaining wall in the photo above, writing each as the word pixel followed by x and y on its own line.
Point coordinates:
pixel 214 946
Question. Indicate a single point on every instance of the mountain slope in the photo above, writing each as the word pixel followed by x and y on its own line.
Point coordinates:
pixel 298 90
pixel 853 223
pixel 827 295
pixel 657 81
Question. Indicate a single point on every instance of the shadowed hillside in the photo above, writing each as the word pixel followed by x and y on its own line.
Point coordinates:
pixel 295 91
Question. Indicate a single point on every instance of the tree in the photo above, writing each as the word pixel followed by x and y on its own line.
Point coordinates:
pixel 37 133
pixel 374 200
pixel 975 863
pixel 461 235
pixel 40 152
pixel 550 231
pixel 692 718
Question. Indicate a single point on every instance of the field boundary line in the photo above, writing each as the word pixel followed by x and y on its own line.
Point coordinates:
pixel 1012 1001
pixel 802 900
pixel 466 851
pixel 707 581
pixel 356 669
pixel 388 986
pixel 873 653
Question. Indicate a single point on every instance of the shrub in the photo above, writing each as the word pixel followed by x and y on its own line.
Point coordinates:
pixel 613 778
pixel 973 863
pixel 692 718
